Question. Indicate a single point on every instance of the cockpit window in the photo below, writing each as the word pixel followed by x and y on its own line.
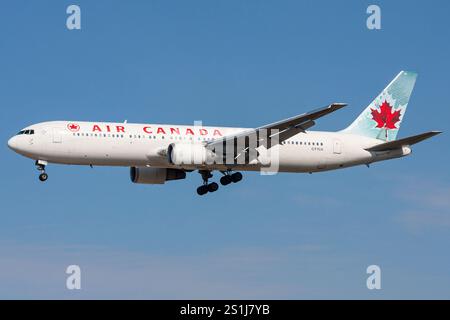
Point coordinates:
pixel 25 132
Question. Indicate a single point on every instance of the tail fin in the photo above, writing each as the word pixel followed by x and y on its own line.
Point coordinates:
pixel 382 118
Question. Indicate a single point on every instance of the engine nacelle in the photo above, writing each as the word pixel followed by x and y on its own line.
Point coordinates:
pixel 147 175
pixel 189 154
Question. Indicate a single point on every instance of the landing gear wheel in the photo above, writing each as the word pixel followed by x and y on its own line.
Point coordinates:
pixel 40 166
pixel 212 187
pixel 202 190
pixel 236 177
pixel 226 180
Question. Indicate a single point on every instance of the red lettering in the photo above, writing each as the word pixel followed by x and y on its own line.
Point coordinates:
pixel 189 131
pixel 96 128
pixel 217 133
pixel 160 130
pixel 120 129
pixel 108 129
pixel 148 130
pixel 203 132
pixel 175 130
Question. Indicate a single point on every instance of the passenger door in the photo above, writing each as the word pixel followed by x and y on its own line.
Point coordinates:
pixel 337 149
pixel 57 137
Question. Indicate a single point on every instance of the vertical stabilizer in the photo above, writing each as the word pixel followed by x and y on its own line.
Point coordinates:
pixel 382 118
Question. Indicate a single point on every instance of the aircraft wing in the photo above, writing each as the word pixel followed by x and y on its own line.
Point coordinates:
pixel 284 129
pixel 391 145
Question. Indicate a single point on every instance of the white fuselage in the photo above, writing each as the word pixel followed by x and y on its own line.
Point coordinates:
pixel 139 145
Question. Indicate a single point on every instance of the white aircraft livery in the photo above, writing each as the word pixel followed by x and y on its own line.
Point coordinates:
pixel 159 153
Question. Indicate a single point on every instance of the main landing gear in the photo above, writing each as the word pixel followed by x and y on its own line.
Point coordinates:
pixel 40 165
pixel 206 187
pixel 213 186
pixel 230 177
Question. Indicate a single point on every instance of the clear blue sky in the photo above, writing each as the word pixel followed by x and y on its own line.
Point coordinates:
pixel 230 63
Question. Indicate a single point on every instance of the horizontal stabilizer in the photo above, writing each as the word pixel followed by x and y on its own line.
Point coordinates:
pixel 396 144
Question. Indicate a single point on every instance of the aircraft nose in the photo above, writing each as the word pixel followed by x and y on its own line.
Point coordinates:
pixel 12 143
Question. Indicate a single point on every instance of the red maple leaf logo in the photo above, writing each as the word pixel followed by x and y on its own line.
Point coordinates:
pixel 385 118
pixel 73 127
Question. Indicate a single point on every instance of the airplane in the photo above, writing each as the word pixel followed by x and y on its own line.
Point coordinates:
pixel 159 153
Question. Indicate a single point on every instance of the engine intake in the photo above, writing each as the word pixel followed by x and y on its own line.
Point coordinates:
pixel 147 175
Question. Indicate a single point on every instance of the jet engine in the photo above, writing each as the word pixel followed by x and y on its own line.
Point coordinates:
pixel 147 175
pixel 189 154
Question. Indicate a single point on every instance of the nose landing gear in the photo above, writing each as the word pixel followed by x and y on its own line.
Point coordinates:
pixel 40 165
